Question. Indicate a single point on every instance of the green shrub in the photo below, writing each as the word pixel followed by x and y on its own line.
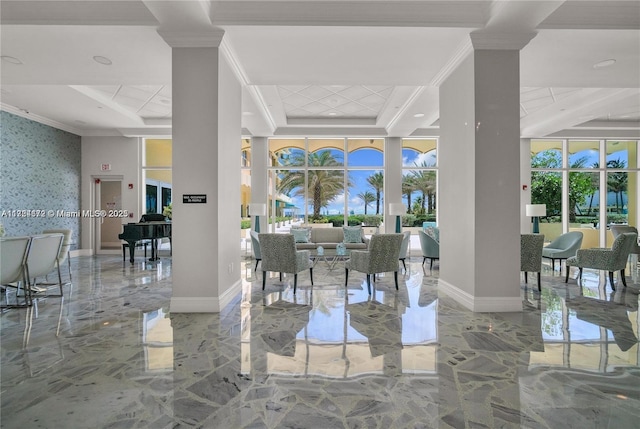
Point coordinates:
pixel 245 224
pixel 372 220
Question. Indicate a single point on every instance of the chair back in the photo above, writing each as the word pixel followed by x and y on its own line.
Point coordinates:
pixel 430 247
pixel 13 256
pixel 43 254
pixel 621 248
pixel 66 241
pixel 404 247
pixel 616 230
pixel 384 252
pixel 278 252
pixel 255 245
pixel 531 252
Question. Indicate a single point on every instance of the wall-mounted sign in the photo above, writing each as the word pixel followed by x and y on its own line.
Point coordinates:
pixel 105 167
pixel 194 198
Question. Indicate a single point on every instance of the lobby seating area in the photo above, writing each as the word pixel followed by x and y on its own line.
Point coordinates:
pixel 111 354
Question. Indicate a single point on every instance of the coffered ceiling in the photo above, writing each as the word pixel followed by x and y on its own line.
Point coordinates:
pixel 319 67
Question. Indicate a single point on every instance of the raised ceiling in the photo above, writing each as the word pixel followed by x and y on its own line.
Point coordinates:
pixel 368 68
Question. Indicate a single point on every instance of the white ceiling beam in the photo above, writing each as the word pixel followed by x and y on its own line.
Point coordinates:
pixel 107 102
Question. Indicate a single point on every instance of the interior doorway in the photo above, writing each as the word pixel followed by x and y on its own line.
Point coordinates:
pixel 108 192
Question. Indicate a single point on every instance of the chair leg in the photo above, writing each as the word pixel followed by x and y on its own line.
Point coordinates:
pixel 69 263
pixel 369 283
pixel 257 260
pixel 295 282
pixel 622 277
pixel 346 276
pixel 566 278
pixel 424 259
pixel 580 273
pixel 553 264
pixel 280 275
pixel 404 265
pixel 539 285
pixel 525 277
pixel 431 264
pixel 395 277
pixel 264 278
pixel 613 285
pixel 311 275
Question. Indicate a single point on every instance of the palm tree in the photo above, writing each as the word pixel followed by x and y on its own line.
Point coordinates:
pixel 376 181
pixel 367 198
pixel 323 186
pixel 617 181
pixel 408 186
pixel 425 182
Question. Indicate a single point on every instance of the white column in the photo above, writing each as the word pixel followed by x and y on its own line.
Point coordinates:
pixel 206 160
pixel 392 179
pixel 479 203
pixel 259 179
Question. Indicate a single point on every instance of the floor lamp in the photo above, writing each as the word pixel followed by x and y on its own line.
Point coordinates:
pixel 535 211
pixel 257 210
pixel 397 209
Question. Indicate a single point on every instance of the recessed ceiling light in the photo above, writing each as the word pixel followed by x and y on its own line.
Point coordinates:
pixel 12 60
pixel 247 113
pixel 605 63
pixel 102 60
pixel 165 101
pixel 418 115
pixel 333 114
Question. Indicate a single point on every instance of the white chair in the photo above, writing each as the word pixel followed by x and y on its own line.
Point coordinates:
pixel 65 250
pixel 13 256
pixel 43 258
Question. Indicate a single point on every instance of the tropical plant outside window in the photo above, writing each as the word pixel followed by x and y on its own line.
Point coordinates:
pixel 584 170
pixel 419 180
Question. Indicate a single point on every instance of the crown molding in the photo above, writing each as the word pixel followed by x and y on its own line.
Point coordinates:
pixel 206 38
pixel 40 119
pixel 458 57
pixel 484 40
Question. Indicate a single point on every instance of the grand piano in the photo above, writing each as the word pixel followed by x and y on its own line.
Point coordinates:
pixel 151 227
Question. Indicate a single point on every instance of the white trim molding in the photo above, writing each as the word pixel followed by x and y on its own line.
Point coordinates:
pixel 205 304
pixel 494 304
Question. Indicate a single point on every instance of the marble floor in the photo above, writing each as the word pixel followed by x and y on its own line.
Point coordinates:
pixel 110 355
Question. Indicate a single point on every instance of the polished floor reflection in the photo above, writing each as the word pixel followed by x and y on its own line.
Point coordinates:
pixel 110 355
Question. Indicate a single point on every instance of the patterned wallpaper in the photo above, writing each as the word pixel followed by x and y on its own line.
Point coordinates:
pixel 40 173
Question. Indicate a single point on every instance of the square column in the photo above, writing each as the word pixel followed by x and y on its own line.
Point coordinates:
pixel 479 159
pixel 206 161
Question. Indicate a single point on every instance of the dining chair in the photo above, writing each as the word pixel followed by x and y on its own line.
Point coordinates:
pixel 563 247
pixel 43 259
pixel 430 248
pixel 13 274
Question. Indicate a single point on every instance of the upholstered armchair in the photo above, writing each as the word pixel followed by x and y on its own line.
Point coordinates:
pixel 563 247
pixel 404 248
pixel 255 248
pixel 382 257
pixel 616 230
pixel 531 255
pixel 430 248
pixel 611 260
pixel 279 254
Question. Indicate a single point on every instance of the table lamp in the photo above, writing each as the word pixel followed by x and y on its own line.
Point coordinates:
pixel 535 211
pixel 257 210
pixel 397 209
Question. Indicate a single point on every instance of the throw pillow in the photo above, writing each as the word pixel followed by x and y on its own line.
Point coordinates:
pixel 352 234
pixel 301 235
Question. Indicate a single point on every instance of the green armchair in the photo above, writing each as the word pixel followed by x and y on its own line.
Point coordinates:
pixel 430 248
pixel 611 260
pixel 563 247
pixel 279 254
pixel 531 255
pixel 382 257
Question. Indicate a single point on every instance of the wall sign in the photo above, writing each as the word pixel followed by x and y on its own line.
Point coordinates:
pixel 194 198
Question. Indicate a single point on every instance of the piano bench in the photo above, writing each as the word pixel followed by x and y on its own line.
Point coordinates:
pixel 141 243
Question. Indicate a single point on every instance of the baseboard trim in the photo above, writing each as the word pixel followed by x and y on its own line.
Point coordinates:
pixel 205 304
pixel 80 252
pixel 494 304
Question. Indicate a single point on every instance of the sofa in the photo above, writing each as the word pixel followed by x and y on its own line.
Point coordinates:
pixel 328 238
